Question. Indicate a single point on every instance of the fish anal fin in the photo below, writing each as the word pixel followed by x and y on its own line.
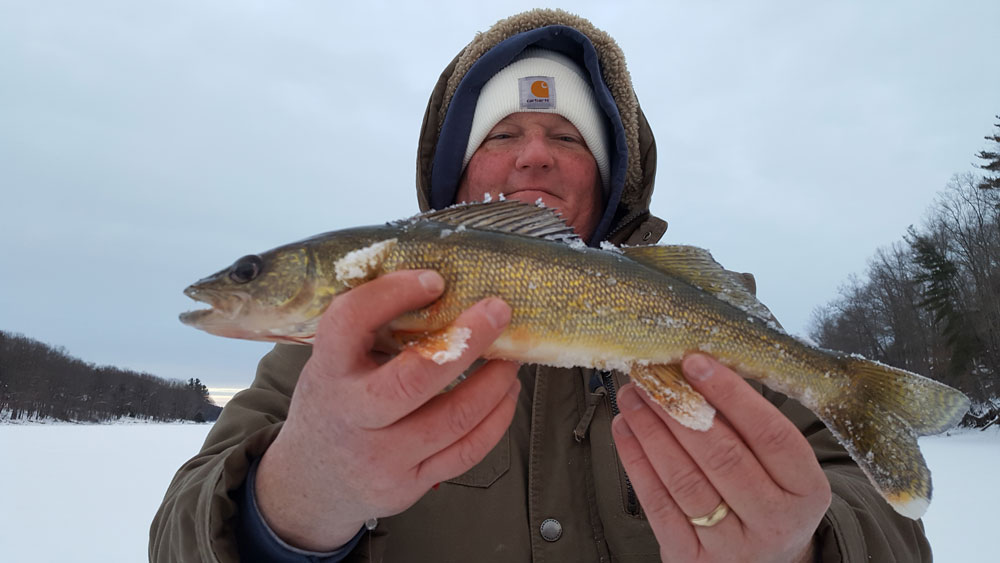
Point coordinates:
pixel 665 383
pixel 697 267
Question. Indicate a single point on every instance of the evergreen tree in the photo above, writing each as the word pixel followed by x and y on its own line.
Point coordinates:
pixel 197 386
pixel 992 162
pixel 940 276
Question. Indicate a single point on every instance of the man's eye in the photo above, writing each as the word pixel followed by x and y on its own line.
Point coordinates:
pixel 568 139
pixel 500 136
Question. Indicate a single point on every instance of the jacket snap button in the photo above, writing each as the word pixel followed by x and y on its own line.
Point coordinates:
pixel 551 529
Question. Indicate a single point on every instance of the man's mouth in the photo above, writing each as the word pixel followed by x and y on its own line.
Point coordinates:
pixel 531 195
pixel 538 196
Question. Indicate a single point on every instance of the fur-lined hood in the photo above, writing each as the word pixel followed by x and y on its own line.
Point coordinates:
pixel 512 35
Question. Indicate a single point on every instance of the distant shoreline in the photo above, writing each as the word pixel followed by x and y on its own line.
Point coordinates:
pixel 122 422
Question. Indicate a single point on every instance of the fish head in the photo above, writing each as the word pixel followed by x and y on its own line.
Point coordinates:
pixel 273 296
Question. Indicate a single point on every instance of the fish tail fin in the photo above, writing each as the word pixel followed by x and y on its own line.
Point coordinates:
pixel 878 420
pixel 665 383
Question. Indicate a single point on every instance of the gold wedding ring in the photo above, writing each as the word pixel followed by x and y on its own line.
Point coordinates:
pixel 713 517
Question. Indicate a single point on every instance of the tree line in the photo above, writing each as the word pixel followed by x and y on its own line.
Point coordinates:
pixel 930 303
pixel 38 381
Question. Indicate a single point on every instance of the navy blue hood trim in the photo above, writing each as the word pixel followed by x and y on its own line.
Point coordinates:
pixel 446 171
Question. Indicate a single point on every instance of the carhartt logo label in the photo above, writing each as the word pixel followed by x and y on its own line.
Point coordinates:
pixel 537 92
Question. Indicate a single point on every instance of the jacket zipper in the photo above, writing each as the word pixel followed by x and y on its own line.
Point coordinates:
pixel 625 221
pixel 631 502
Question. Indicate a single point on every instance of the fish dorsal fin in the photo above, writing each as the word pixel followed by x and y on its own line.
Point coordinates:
pixel 697 267
pixel 505 216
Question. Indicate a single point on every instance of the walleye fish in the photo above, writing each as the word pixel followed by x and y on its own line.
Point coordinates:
pixel 636 309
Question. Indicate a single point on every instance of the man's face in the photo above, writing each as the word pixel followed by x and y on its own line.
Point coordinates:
pixel 534 155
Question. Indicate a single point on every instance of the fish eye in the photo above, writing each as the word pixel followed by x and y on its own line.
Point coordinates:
pixel 246 269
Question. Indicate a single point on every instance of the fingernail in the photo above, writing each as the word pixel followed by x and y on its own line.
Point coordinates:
pixel 621 427
pixel 497 312
pixel 431 281
pixel 698 367
pixel 629 399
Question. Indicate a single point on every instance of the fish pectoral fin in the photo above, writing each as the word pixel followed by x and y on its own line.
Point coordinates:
pixel 665 383
pixel 440 346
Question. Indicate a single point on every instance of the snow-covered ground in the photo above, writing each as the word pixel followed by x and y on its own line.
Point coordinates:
pixel 87 493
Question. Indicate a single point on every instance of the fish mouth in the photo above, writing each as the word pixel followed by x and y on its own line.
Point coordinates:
pixel 224 306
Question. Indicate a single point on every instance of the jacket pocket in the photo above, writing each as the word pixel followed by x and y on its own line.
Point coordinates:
pixel 493 466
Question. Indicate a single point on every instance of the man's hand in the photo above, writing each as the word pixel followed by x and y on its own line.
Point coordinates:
pixel 367 439
pixel 753 458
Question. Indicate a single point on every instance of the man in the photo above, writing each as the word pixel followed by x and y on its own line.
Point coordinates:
pixel 339 452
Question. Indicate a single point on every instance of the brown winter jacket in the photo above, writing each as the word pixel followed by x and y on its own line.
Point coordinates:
pixel 557 460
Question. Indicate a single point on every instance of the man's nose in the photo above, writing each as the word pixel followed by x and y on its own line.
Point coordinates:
pixel 536 152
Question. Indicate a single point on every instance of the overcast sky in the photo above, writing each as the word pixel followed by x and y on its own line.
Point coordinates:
pixel 144 145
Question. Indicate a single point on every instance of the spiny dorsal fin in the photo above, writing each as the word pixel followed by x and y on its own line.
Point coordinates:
pixel 697 267
pixel 505 216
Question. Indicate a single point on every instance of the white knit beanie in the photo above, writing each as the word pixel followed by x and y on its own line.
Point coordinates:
pixel 549 82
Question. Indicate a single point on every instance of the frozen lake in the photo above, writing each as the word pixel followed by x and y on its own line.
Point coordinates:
pixel 87 493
